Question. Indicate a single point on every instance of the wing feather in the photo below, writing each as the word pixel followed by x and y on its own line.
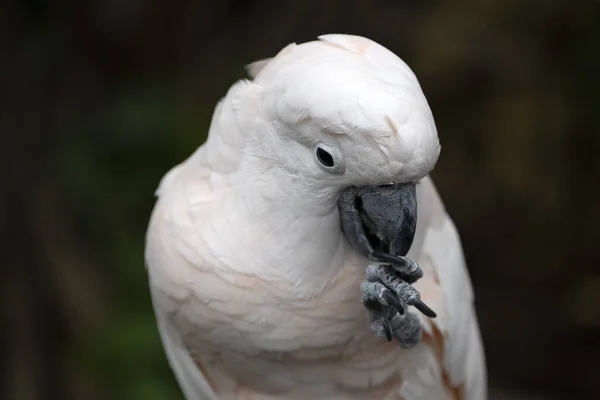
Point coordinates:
pixel 454 336
pixel 172 241
pixel 191 380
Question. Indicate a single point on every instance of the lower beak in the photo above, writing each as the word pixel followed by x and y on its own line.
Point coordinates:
pixel 381 219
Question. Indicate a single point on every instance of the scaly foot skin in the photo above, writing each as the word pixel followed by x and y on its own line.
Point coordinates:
pixel 387 293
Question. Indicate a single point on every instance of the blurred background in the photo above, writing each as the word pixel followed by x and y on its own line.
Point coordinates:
pixel 101 98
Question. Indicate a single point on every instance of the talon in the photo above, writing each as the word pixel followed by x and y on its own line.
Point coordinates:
pixel 394 301
pixel 419 305
pixel 387 329
pixel 408 270
pixel 389 258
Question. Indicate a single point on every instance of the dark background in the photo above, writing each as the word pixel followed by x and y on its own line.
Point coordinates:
pixel 100 99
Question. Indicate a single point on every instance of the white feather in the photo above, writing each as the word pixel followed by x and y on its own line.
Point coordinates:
pixel 254 286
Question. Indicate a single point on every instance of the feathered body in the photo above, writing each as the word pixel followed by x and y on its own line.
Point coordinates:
pixel 256 290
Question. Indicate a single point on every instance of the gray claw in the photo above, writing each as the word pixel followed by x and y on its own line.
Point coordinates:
pixel 388 276
pixel 394 301
pixel 405 329
pixel 376 296
pixel 408 269
pixel 388 316
pixel 387 329
pixel 419 305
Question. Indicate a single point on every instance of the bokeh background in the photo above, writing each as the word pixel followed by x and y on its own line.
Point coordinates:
pixel 101 98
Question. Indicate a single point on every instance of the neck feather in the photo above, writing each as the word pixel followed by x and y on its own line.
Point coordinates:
pixel 297 228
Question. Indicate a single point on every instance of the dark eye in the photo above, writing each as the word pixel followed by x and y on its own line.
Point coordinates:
pixel 324 157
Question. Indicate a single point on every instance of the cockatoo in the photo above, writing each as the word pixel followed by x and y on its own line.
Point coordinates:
pixel 287 257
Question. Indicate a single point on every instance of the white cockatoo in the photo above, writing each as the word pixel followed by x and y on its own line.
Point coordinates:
pixel 278 252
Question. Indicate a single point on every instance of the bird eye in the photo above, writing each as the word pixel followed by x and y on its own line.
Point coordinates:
pixel 330 158
pixel 325 158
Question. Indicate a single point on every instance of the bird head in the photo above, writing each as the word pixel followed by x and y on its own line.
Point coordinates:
pixel 347 118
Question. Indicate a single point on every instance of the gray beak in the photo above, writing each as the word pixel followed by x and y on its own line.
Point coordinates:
pixel 379 220
pixel 380 223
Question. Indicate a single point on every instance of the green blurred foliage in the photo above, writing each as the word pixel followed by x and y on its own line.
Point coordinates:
pixel 109 165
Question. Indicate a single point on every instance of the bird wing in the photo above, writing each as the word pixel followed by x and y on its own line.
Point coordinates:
pixel 191 380
pixel 175 251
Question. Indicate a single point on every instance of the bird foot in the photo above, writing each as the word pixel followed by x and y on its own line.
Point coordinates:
pixel 386 294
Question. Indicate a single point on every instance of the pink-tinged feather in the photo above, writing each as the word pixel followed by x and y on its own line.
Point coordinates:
pixel 255 289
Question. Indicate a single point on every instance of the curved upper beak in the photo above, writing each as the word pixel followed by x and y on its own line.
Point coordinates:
pixel 380 219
